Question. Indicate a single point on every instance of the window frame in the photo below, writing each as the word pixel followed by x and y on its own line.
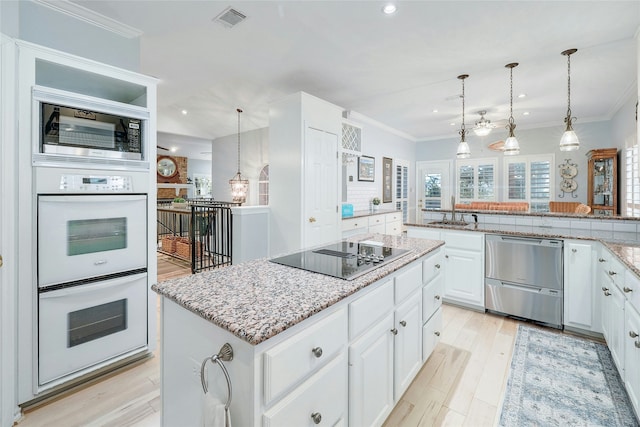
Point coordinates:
pixel 476 163
pixel 528 160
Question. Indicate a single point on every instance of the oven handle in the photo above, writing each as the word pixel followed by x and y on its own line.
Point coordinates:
pixel 82 289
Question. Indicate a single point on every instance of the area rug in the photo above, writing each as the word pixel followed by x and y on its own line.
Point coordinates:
pixel 560 380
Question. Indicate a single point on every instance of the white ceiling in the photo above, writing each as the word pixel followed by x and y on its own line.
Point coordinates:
pixel 394 69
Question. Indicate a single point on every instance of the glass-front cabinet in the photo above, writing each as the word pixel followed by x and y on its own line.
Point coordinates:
pixel 602 191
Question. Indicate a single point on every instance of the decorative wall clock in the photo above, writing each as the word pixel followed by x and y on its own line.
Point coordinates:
pixel 568 172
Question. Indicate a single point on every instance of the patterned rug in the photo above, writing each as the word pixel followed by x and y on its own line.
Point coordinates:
pixel 560 380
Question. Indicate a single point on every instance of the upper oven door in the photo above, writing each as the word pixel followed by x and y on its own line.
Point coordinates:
pixel 81 237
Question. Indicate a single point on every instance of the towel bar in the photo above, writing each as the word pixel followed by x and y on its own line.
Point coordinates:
pixel 225 354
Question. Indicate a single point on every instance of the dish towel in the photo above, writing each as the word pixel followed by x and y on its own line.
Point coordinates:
pixel 214 413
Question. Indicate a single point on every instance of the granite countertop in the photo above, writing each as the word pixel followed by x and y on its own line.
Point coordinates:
pixel 258 299
pixel 625 245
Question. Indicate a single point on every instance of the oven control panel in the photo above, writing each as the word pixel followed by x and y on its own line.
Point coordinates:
pixel 96 183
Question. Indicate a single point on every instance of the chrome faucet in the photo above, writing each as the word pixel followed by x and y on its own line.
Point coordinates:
pixel 453 208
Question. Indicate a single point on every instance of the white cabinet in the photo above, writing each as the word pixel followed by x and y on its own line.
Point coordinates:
pixel 393 223
pixel 371 375
pixel 303 194
pixel 464 259
pixel 632 354
pixel 407 355
pixel 389 223
pixel 581 302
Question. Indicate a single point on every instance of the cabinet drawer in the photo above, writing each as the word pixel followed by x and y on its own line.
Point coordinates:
pixel 615 270
pixel 289 362
pixel 367 309
pixel 323 395
pixel 377 228
pixel 355 223
pixel 432 266
pixel 376 220
pixel 432 297
pixel 469 240
pixel 393 228
pixel 408 282
pixel 431 334
pixel 631 289
pixel 393 217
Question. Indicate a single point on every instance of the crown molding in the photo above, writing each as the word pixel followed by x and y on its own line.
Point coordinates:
pixel 93 18
pixel 358 117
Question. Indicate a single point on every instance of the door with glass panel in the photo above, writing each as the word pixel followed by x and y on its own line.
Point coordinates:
pixel 434 185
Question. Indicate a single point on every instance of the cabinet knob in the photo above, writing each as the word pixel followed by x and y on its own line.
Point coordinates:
pixel 312 219
pixel 316 417
pixel 632 334
pixel 627 289
pixel 601 259
pixel 606 294
pixel 446 256
pixel 612 273
pixel 437 297
pixel 403 323
pixel 394 331
pixel 437 265
pixel 574 250
pixel 637 343
pixel 317 351
pixel 437 333
pixel 604 288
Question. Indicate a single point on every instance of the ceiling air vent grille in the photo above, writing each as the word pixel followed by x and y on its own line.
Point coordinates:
pixel 230 17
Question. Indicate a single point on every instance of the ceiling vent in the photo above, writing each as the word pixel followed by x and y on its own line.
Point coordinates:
pixel 230 17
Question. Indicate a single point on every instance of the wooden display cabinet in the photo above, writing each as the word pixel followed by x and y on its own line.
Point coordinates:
pixel 602 186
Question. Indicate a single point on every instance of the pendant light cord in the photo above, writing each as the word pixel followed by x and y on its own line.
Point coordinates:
pixel 239 111
pixel 569 85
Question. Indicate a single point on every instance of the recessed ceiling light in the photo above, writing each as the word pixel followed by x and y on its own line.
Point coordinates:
pixel 522 95
pixel 526 113
pixel 452 123
pixel 184 112
pixel 435 110
pixel 389 9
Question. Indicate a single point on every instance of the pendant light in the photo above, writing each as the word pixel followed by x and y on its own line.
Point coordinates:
pixel 463 148
pixel 569 140
pixel 511 145
pixel 239 186
pixel 483 126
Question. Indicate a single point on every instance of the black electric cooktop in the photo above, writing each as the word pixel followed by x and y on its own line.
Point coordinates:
pixel 344 260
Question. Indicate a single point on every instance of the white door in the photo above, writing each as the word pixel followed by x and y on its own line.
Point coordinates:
pixel 320 188
pixel 407 355
pixel 433 186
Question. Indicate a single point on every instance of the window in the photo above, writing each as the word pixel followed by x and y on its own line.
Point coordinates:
pixel 632 181
pixel 263 186
pixel 476 180
pixel 529 179
pixel 402 188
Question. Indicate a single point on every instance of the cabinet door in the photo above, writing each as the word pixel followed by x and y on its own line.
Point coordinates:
pixel 431 334
pixel 408 343
pixel 393 228
pixel 464 279
pixel 632 355
pixel 371 375
pixel 579 310
pixel 606 305
pixel 617 329
pixel 432 297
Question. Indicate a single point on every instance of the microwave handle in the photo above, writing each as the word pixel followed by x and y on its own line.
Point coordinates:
pixel 47 127
pixel 81 289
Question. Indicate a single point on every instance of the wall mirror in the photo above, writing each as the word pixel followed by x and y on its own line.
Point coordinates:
pixel 167 167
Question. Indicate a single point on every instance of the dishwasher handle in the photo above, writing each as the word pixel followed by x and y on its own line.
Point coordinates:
pixel 532 241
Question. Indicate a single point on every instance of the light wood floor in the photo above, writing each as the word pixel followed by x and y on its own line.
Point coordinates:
pixel 461 384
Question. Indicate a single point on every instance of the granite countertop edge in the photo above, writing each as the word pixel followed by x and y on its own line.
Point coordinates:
pixel 258 299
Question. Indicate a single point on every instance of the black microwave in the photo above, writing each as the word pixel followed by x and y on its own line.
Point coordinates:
pixel 78 132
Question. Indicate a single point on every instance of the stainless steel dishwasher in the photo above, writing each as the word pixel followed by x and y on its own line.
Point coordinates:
pixel 523 278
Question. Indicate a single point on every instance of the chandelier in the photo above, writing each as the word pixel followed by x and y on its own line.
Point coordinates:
pixel 463 148
pixel 569 140
pixel 511 145
pixel 239 185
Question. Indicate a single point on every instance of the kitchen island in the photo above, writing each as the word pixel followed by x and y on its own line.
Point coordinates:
pixel 292 332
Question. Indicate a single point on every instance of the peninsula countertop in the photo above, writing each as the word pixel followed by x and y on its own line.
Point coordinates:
pixel 258 299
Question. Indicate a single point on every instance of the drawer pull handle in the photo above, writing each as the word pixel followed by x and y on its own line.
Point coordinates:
pixel 632 334
pixel 604 288
pixel 437 297
pixel 394 331
pixel 612 273
pixel 637 343
pixel 606 294
pixel 403 323
pixel 100 262
pixel 574 250
pixel 437 265
pixel 437 333
pixel 317 351
pixel 627 289
pixel 312 219
pixel 601 259
pixel 316 417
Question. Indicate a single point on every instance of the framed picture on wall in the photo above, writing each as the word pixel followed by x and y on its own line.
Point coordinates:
pixel 366 168
pixel 387 182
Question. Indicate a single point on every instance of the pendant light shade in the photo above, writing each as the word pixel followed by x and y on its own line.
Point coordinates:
pixel 511 145
pixel 464 152
pixel 239 185
pixel 569 140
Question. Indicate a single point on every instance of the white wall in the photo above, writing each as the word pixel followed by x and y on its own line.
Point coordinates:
pixel 254 154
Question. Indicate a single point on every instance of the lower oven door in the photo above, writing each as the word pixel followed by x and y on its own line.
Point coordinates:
pixel 533 303
pixel 82 236
pixel 83 326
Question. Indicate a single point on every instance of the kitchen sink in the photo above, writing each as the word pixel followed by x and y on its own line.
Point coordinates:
pixel 450 222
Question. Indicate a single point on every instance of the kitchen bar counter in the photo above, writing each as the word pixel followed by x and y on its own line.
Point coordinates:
pixel 259 299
